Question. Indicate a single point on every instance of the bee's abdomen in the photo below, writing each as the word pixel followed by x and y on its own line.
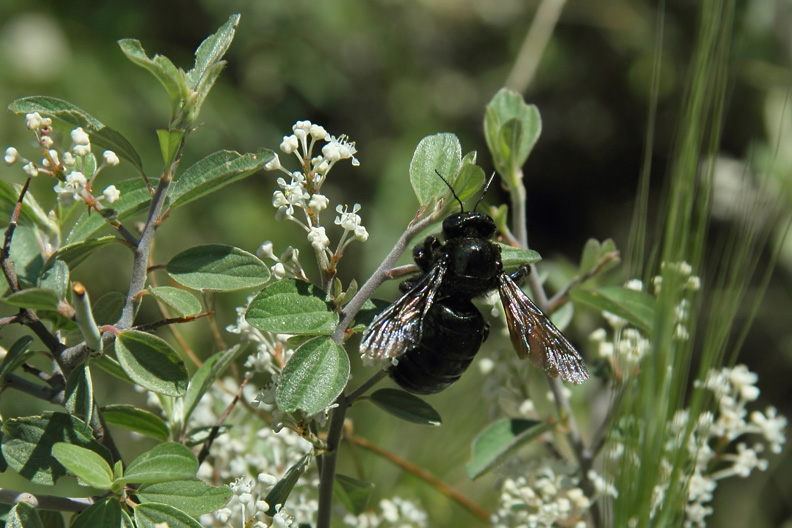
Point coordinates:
pixel 453 331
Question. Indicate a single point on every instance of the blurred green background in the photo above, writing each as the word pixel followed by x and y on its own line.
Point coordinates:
pixel 388 73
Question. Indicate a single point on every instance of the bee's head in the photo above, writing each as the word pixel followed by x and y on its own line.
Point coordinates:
pixel 469 224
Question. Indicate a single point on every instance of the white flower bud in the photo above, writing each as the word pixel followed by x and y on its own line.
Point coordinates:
pixel 33 121
pixel 30 169
pixel 110 158
pixel 318 202
pixel 273 164
pixel 265 251
pixel 11 155
pixel 46 142
pixel 289 144
pixel 80 136
pixel 68 159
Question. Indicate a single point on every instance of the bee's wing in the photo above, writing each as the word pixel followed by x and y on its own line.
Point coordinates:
pixel 534 336
pixel 399 327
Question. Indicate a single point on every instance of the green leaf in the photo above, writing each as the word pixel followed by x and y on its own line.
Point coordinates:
pixel 214 172
pixel 217 267
pixel 89 467
pixel 52 519
pixel 74 254
pixel 511 129
pixel 34 298
pixel 207 374
pixel 280 492
pixel 106 513
pixel 23 515
pixel 513 257
pixel 17 354
pixel 593 253
pixel 79 393
pixel 635 306
pixel 137 420
pixel 26 253
pixel 154 515
pixel 293 307
pixel 190 496
pixel 68 116
pixel 313 377
pixel 441 153
pixel 170 141
pixel 151 363
pixel 107 308
pixel 352 493
pixel 135 198
pixel 169 76
pixel 406 406
pixel 28 440
pixel 56 278
pixel 162 463
pixel 180 300
pixel 212 50
pixel 498 440
pixel 31 211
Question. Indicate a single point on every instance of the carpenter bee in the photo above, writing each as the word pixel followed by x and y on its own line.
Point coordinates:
pixel 433 331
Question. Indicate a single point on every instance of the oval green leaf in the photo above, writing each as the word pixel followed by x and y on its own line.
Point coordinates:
pixel 498 440
pixel 137 420
pixel 354 494
pixel 513 257
pixel 89 467
pixel 636 307
pixel 163 462
pixel 292 307
pixel 313 377
pixel 207 374
pixel 190 496
pixel 34 298
pixel 441 153
pixel 23 515
pixel 406 406
pixel 106 512
pixel 151 363
pixel 154 515
pixel 217 267
pixel 180 300
pixel 214 172
pixel 79 393
pixel 17 354
pixel 511 129
pixel 56 278
pixel 27 444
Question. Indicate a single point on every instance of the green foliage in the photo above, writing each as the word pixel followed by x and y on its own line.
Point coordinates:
pixel 292 307
pixel 314 377
pixel 499 440
pixel 404 405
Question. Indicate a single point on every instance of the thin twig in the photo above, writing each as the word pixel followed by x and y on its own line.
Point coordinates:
pixel 438 484
pixel 150 327
pixel 46 502
pixel 559 298
pixel 216 428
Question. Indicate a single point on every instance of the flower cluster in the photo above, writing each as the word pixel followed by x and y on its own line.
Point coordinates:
pixel 712 446
pixel 301 190
pixel 76 169
pixel 396 513
pixel 541 494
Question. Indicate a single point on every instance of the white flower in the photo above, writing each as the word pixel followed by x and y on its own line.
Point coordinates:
pixel 317 132
pixel 265 251
pixel 110 158
pixel 111 194
pixel 11 155
pixel 361 233
pixel 289 144
pixel 349 221
pixel 46 142
pixel 318 202
pixel 73 188
pixel 33 121
pixel 338 148
pixel 771 427
pixel 278 271
pixel 634 284
pixel 318 238
pixel 68 159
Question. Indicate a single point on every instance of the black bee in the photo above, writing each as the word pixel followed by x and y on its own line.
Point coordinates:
pixel 434 330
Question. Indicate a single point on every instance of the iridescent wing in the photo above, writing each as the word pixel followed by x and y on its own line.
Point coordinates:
pixel 536 337
pixel 399 327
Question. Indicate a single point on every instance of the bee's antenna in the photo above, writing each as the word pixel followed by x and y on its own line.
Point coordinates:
pixel 462 207
pixel 484 192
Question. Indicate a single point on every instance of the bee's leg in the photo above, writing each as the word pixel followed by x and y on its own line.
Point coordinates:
pixel 520 273
pixel 426 254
